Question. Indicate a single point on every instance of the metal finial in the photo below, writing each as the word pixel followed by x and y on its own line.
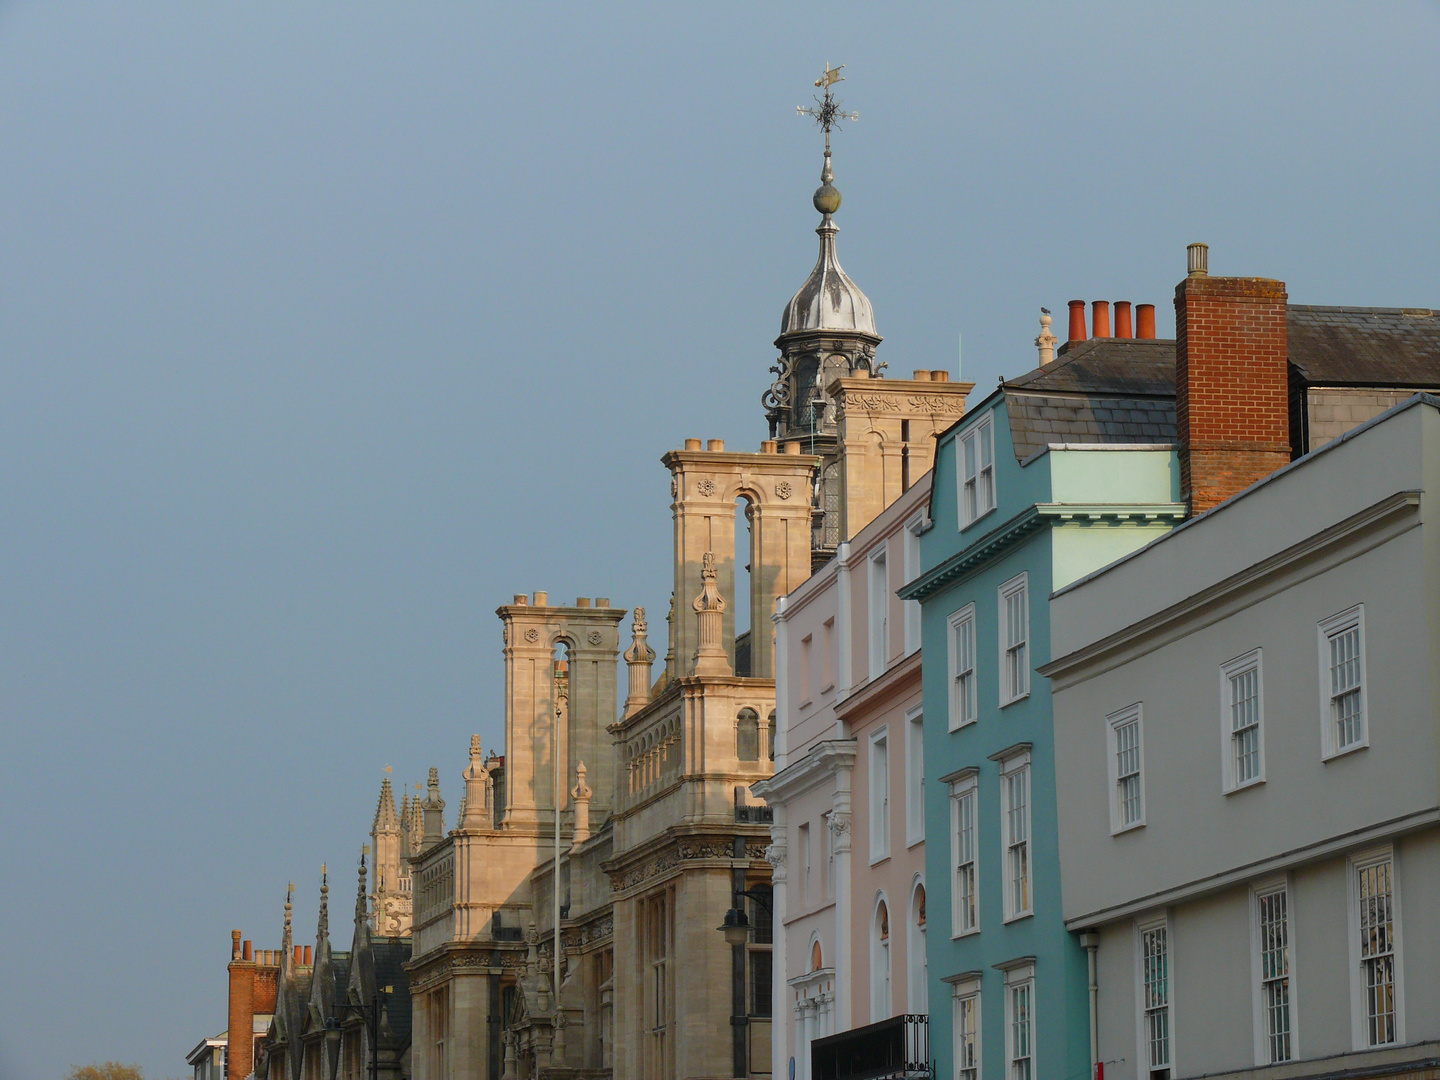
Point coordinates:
pixel 827 111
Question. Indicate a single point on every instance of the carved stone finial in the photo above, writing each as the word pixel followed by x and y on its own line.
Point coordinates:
pixel 477 789
pixel 709 607
pixel 638 658
pixel 1047 341
pixel 322 930
pixel 581 794
pixel 432 812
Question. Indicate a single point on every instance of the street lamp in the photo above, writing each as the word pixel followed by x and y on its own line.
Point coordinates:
pixel 736 926
pixel 736 929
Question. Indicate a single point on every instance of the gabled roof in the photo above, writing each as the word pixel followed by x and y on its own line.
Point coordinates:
pixel 1132 367
pixel 1354 346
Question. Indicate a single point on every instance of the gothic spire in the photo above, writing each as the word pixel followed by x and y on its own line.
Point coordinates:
pixel 322 930
pixel 385 820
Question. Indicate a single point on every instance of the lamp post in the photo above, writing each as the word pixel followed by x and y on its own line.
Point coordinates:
pixel 736 929
pixel 370 1013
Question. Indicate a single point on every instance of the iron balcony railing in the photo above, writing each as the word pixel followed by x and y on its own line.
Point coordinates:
pixel 890 1050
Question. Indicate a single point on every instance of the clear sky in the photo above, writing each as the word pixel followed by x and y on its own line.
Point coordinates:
pixel 325 328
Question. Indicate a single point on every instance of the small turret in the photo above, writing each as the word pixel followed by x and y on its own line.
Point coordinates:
pixel 433 810
pixel 475 811
pixel 639 657
pixel 709 607
pixel 581 794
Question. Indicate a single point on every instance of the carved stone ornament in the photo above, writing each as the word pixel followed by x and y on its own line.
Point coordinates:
pixel 706 487
pixel 674 487
pixel 783 490
pixel 839 823
pixel 595 637
pixel 937 402
pixel 532 635
pixel 775 856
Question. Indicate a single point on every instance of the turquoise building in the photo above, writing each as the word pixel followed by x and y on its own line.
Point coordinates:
pixel 1054 475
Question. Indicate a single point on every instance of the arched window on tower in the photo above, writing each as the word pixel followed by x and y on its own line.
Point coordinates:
pixel 747 735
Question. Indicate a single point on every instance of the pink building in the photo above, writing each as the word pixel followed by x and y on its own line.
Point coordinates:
pixel 849 832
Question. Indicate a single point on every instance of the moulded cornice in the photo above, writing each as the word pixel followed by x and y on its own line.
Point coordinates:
pixel 895 678
pixel 823 760
pixel 1370 527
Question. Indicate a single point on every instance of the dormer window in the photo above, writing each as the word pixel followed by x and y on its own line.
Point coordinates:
pixel 975 453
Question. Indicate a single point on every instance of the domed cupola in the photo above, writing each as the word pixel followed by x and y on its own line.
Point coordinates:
pixel 828 300
pixel 827 332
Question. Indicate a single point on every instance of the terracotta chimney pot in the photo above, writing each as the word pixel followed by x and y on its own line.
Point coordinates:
pixel 716 445
pixel 939 375
pixel 1144 320
pixel 1100 318
pixel 922 375
pixel 245 953
pixel 1077 320
pixel 1122 319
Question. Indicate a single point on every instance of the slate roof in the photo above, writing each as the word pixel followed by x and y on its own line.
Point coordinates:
pixel 391 954
pixel 1348 346
pixel 1110 390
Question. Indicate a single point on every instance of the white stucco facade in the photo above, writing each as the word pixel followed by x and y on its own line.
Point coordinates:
pixel 1248 772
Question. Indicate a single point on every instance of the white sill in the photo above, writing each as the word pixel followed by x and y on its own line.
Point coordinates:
pixel 1246 786
pixel 1123 829
pixel 913 841
pixel 1364 744
pixel 879 859
pixel 806 703
pixel 961 727
pixel 1013 700
pixel 827 689
pixel 965 933
pixel 1018 917
pixel 979 517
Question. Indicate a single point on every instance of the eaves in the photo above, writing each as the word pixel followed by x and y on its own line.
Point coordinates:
pixel 1356 534
pixel 822 760
pixel 1029 521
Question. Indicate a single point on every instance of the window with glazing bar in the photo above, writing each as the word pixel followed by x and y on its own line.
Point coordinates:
pixel 1273 921
pixel 963 698
pixel 967 1035
pixel 1020 1036
pixel 1014 639
pixel 1155 1000
pixel 1127 762
pixel 1342 666
pixel 965 895
pixel 976 453
pixel 1376 895
pixel 1016 809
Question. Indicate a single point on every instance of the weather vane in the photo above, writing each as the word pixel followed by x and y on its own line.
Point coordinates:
pixel 826 110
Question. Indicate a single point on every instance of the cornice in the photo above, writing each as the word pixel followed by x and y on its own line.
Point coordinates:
pixel 822 760
pixel 896 678
pixel 1370 527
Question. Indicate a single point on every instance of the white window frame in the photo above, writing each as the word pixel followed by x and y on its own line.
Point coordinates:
pixel 1020 977
pixel 911 550
pixel 917 969
pixel 882 962
pixel 964 792
pixel 879 795
pixel 1019 584
pixel 1113 723
pixel 1351 618
pixel 1142 1028
pixel 878 614
pixel 972 448
pixel 964 698
pixel 1229 735
pixel 802 844
pixel 1259 978
pixel 965 994
pixel 1013 766
pixel 1355 865
pixel 914 776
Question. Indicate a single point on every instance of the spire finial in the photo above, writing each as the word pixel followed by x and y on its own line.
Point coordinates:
pixel 1047 341
pixel 286 936
pixel 360 911
pixel 828 114
pixel 322 931
pixel 709 608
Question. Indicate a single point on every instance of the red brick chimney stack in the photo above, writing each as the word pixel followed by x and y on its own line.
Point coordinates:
pixel 1231 382
pixel 240 1039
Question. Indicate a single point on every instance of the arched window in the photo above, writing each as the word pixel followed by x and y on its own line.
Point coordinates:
pixel 817 958
pixel 770 735
pixel 880 1004
pixel 747 735
pixel 917 971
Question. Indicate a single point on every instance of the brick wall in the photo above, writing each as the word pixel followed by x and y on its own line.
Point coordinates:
pixel 1231 385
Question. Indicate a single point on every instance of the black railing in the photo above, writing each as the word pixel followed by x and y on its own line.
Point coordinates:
pixel 755 814
pixel 893 1048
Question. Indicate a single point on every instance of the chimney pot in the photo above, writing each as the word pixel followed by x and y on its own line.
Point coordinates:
pixel 1144 320
pixel 792 447
pixel 602 601
pixel 521 600
pixel 769 446
pixel 582 601
pixel 922 375
pixel 245 953
pixel 1198 260
pixel 939 375
pixel 299 954
pixel 716 445
pixel 1122 319
pixel 692 444
pixel 1100 318
pixel 542 599
pixel 1077 320
pixel 309 955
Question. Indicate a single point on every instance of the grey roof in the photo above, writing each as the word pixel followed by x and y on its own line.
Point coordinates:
pixel 1352 346
pixel 1110 390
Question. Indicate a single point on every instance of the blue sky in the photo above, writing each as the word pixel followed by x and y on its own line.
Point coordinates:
pixel 327 328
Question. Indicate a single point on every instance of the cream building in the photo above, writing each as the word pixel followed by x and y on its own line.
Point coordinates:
pixel 617 844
